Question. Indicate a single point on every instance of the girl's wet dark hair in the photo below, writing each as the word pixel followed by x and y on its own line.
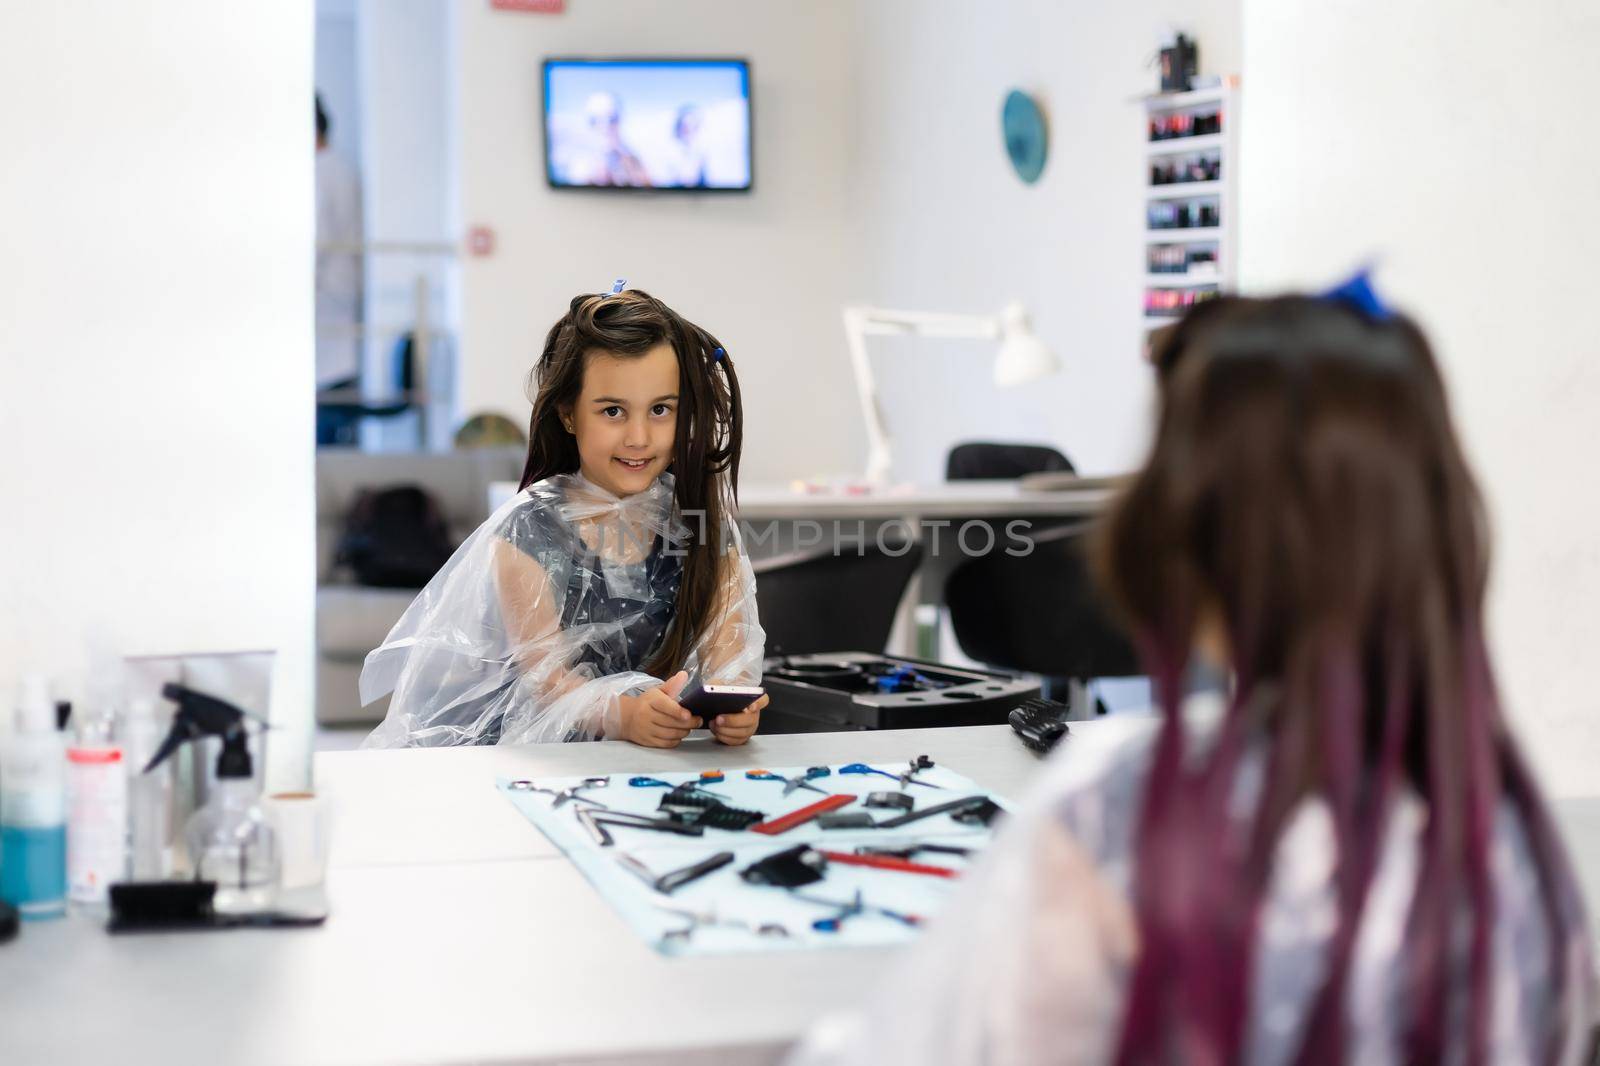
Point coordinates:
pixel 1306 495
pixel 710 434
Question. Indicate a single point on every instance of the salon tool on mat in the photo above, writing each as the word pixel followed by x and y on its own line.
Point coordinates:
pixel 790 868
pixel 1038 724
pixel 913 850
pixel 595 822
pixel 572 791
pixel 954 808
pixel 915 767
pixel 697 787
pixel 886 862
pixel 690 805
pixel 669 883
pixel 562 796
pixel 709 919
pixel 846 820
pixel 863 768
pixel 898 801
pixel 978 814
pixel 673 822
pixel 788 821
pixel 854 907
pixel 791 783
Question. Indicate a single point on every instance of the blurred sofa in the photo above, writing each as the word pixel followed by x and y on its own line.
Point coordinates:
pixel 353 619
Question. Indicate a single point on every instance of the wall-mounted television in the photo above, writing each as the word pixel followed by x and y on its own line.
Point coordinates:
pixel 680 124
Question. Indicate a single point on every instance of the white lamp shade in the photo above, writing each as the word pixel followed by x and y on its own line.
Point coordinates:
pixel 1023 357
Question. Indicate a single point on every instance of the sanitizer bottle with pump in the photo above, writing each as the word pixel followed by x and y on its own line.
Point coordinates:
pixel 33 808
pixel 97 808
pixel 229 839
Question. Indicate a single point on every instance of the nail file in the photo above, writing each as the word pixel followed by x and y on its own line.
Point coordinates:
pixel 802 816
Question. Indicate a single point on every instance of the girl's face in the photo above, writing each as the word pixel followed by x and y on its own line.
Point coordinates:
pixel 626 418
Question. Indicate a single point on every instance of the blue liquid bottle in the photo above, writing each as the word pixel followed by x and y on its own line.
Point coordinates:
pixel 33 809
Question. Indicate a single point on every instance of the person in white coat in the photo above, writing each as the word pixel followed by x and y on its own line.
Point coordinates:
pixel 339 273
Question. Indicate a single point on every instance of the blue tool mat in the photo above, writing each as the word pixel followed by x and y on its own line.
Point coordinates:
pixel 721 913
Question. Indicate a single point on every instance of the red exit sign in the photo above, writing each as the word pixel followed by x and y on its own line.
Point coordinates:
pixel 537 7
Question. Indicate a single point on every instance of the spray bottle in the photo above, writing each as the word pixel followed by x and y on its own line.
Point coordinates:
pixel 149 797
pixel 229 839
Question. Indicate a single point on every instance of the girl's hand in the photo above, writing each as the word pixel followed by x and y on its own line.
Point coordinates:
pixel 735 729
pixel 654 719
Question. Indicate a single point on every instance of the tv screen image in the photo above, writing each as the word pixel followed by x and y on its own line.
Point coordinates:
pixel 647 123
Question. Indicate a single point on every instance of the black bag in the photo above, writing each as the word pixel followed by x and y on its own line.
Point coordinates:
pixel 395 538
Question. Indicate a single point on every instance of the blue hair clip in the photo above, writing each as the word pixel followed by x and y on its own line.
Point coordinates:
pixel 616 287
pixel 1357 292
pixel 717 354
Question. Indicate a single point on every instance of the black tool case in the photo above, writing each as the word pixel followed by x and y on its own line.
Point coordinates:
pixel 839 691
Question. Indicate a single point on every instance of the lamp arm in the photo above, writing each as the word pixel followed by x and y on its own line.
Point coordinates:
pixel 926 323
pixel 878 458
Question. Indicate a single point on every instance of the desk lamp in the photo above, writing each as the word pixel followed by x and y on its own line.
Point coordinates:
pixel 1021 357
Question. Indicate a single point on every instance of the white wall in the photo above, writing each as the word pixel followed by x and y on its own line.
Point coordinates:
pixel 156 341
pixel 761 271
pixel 941 221
pixel 1447 139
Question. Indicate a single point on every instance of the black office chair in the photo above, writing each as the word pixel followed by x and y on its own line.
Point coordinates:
pixel 819 601
pixel 337 423
pixel 1039 613
pixel 982 460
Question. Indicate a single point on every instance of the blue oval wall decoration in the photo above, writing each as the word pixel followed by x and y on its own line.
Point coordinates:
pixel 1027 143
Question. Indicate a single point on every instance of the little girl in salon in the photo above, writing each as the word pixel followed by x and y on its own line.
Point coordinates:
pixel 584 605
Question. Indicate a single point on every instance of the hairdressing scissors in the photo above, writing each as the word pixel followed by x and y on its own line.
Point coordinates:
pixel 863 768
pixel 915 767
pixel 851 909
pixel 571 792
pixel 697 919
pixel 792 783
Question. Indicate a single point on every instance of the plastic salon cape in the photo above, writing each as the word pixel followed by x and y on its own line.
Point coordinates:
pixel 545 617
pixel 1028 964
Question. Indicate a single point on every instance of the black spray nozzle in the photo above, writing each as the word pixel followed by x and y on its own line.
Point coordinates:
pixel 200 715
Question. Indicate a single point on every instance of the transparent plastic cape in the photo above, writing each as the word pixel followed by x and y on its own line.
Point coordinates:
pixel 1029 963
pixel 545 616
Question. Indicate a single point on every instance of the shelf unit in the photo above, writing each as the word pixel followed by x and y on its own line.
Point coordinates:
pixel 1179 145
pixel 1222 192
pixel 1183 190
pixel 1191 235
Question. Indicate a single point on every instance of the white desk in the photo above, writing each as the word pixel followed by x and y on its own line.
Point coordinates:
pixel 458 935
pixel 768 514
pixel 949 499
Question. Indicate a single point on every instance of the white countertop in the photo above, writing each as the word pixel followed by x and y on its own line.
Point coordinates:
pixel 459 935
pixel 946 499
